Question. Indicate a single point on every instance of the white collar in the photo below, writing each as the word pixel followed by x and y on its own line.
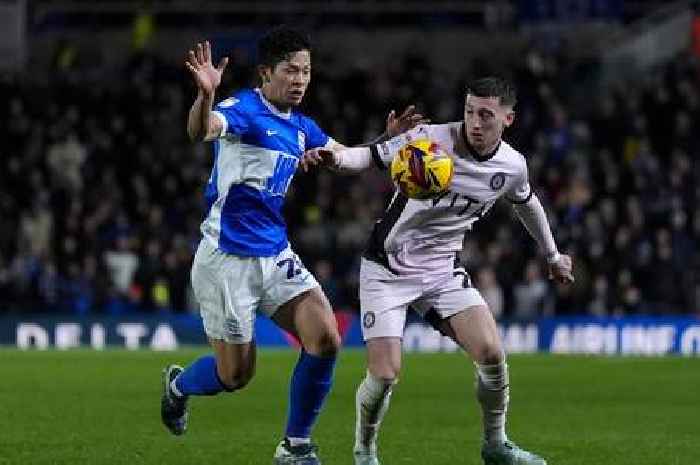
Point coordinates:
pixel 271 107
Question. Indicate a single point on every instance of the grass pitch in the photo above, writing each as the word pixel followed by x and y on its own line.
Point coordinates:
pixel 84 407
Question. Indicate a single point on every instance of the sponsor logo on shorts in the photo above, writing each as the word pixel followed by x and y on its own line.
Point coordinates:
pixel 368 320
pixel 497 181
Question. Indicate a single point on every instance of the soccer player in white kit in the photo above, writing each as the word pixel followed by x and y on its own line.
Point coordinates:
pixel 244 262
pixel 411 259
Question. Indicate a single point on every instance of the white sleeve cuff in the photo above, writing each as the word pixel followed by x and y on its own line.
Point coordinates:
pixel 353 159
pixel 552 258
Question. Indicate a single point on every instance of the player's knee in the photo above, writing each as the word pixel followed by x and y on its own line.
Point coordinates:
pixel 384 373
pixel 326 344
pixel 491 353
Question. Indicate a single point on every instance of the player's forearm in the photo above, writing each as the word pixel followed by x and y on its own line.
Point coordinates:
pixel 534 218
pixel 199 117
pixel 352 159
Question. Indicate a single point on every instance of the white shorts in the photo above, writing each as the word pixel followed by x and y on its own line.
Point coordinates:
pixel 230 289
pixel 385 297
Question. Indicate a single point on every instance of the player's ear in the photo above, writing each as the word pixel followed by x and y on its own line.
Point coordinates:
pixel 264 72
pixel 510 117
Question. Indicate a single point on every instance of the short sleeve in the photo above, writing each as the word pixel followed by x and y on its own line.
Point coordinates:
pixel 315 137
pixel 384 153
pixel 232 116
pixel 521 192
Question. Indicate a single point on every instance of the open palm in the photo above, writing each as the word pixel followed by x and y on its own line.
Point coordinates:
pixel 408 120
pixel 206 75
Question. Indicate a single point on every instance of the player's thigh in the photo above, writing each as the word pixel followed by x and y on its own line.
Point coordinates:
pixel 235 363
pixel 310 318
pixel 228 290
pixel 458 310
pixel 384 357
pixel 475 330
pixel 284 279
pixel 384 299
pixel 294 300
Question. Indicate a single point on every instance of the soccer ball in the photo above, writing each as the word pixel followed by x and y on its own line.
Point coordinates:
pixel 422 170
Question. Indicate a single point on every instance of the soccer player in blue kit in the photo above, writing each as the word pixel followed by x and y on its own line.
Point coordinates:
pixel 244 261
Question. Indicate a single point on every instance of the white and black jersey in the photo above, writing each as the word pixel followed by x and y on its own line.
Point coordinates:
pixel 415 236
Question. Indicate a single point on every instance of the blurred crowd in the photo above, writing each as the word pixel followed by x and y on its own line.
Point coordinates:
pixel 101 193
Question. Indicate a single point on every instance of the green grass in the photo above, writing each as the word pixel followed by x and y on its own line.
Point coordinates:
pixel 84 407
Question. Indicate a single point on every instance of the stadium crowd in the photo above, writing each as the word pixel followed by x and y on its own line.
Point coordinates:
pixel 101 193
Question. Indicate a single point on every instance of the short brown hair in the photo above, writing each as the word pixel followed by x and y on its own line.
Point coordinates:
pixel 493 87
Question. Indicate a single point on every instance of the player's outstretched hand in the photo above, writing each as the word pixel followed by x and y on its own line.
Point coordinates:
pixel 318 157
pixel 409 119
pixel 562 270
pixel 205 74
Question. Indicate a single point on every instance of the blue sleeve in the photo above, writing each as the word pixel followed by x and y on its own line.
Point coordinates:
pixel 232 111
pixel 315 137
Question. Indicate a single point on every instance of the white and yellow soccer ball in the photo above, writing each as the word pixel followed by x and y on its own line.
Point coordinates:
pixel 422 170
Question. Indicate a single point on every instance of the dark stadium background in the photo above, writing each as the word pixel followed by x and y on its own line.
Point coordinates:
pixel 101 200
pixel 101 193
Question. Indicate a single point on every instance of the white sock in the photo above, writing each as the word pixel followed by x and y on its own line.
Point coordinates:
pixel 492 392
pixel 371 404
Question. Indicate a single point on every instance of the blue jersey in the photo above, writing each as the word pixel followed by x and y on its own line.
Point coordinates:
pixel 255 158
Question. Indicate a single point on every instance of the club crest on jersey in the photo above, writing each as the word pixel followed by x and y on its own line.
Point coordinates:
pixel 368 320
pixel 497 181
pixel 301 139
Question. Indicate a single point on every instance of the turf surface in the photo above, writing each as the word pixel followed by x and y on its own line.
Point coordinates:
pixel 84 407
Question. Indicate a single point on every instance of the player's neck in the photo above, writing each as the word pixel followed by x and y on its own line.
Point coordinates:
pixel 488 150
pixel 269 96
pixel 483 153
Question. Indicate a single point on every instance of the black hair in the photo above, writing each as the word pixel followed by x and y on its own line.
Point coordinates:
pixel 279 42
pixel 494 87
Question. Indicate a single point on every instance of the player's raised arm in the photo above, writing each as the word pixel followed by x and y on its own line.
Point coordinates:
pixel 338 157
pixel 344 160
pixel 200 123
